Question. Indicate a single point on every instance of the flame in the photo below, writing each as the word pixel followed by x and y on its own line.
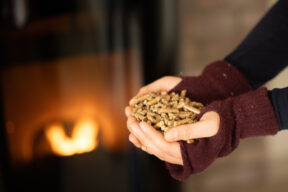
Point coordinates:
pixel 83 138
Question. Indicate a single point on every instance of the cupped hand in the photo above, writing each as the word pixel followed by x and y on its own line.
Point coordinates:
pixel 166 147
pixel 144 136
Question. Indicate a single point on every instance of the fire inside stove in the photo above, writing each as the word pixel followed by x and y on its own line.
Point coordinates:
pixel 83 138
pixel 60 107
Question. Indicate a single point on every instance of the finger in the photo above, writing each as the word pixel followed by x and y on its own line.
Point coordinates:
pixel 146 143
pixel 134 140
pixel 150 147
pixel 155 86
pixel 163 84
pixel 165 151
pixel 141 140
pixel 153 135
pixel 200 129
pixel 135 129
pixel 128 111
pixel 132 125
pixel 136 133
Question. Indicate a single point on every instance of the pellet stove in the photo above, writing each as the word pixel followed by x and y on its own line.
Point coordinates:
pixel 68 68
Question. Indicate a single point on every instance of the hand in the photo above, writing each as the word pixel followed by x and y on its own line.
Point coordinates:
pixel 167 149
pixel 147 138
pixel 219 80
pixel 208 126
pixel 139 139
pixel 163 84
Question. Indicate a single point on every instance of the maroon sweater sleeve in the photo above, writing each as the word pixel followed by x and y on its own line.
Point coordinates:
pixel 218 81
pixel 246 115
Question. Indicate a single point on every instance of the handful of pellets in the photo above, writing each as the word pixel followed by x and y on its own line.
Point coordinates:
pixel 163 110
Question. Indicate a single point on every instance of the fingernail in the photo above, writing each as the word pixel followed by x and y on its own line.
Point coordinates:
pixel 170 135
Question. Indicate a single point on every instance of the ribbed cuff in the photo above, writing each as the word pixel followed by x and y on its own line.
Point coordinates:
pixel 255 115
pixel 279 100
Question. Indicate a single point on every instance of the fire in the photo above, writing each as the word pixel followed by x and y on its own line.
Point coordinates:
pixel 82 140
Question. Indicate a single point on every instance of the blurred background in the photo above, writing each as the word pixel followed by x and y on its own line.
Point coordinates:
pixel 68 69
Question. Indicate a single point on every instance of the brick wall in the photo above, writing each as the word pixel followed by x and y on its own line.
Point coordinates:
pixel 210 29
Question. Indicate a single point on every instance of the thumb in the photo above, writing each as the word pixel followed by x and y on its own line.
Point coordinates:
pixel 182 132
pixel 201 129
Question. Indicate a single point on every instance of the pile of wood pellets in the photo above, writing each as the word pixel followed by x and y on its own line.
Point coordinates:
pixel 165 110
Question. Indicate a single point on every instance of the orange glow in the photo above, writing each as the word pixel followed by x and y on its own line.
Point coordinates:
pixel 82 140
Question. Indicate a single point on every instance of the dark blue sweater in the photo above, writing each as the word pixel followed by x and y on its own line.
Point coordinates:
pixel 264 53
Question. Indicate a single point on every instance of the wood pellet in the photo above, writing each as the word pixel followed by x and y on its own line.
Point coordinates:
pixel 163 110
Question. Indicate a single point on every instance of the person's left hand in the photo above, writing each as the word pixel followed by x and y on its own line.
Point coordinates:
pixel 144 136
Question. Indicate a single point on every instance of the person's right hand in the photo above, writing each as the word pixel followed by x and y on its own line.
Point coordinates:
pixel 163 84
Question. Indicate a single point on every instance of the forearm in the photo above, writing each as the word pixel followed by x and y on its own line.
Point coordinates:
pixel 279 100
pixel 247 115
pixel 263 53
